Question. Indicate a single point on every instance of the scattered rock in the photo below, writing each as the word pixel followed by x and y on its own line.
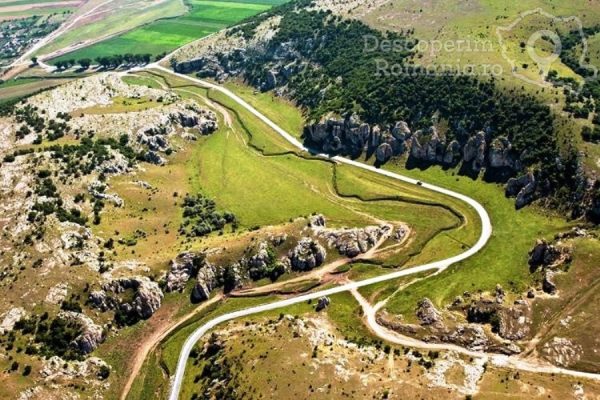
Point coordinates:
pixel 57 293
pixel 10 318
pixel 514 322
pixel 323 303
pixel 562 352
pixel 56 368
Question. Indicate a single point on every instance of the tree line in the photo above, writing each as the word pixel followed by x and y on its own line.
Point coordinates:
pixel 106 62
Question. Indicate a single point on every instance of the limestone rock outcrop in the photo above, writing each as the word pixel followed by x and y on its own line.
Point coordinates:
pixel 545 254
pixel 428 314
pixel 182 269
pixel 206 282
pixel 91 334
pixel 523 188
pixel 355 241
pixel 146 296
pixel 307 255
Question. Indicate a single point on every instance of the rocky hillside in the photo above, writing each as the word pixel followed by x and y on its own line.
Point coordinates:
pixel 59 152
pixel 317 59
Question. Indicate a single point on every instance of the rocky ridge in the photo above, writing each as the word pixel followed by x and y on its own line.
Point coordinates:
pixel 145 299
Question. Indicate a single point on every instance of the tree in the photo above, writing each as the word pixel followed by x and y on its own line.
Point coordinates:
pixel 14 366
pixel 85 63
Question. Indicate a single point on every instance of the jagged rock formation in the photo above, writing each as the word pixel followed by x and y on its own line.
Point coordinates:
pixel 158 125
pixel 428 314
pixel 307 255
pixel 206 281
pixel 354 241
pixel 146 296
pixel 351 241
pixel 351 137
pixel 91 334
pixel 548 258
pixel 523 188
pixel 545 254
pixel 182 269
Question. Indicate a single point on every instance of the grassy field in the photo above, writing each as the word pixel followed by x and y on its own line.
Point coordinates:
pixel 202 18
pixel 496 263
pixel 503 260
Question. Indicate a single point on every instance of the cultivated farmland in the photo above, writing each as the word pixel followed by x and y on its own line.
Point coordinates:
pixel 203 18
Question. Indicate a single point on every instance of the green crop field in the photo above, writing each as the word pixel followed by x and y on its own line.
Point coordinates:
pixel 203 18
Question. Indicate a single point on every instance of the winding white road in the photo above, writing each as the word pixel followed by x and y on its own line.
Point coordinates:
pixel 486 232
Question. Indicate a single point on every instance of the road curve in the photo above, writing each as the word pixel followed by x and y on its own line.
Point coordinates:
pixel 486 232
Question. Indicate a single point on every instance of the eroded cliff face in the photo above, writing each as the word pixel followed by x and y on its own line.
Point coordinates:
pixel 473 153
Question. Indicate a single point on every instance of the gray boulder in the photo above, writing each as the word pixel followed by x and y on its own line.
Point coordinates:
pixel 474 151
pixel 317 221
pixel 307 255
pixel 500 153
pixel 182 269
pixel 548 284
pixel 383 153
pixel 452 153
pixel 427 313
pixel 401 131
pixel 323 303
pixel 206 282
pixel 523 188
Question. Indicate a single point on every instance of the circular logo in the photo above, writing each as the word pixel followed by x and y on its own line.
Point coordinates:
pixel 544 62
